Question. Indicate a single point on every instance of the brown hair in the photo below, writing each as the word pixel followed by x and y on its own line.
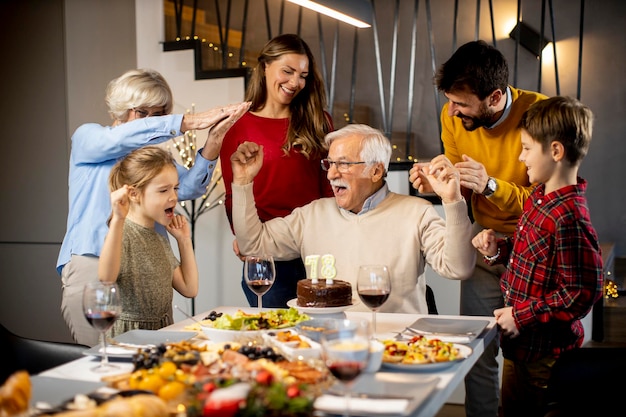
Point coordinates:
pixel 562 119
pixel 308 122
pixel 139 167
pixel 476 67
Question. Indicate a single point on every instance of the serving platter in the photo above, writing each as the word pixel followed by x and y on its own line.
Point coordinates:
pixel 135 339
pixel 320 310
pixel 464 352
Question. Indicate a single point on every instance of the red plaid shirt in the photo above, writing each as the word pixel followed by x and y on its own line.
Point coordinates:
pixel 554 274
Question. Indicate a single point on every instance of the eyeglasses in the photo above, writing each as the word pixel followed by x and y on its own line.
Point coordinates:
pixel 142 113
pixel 342 166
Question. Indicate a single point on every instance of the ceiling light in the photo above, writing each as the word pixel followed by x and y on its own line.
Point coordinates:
pixel 354 12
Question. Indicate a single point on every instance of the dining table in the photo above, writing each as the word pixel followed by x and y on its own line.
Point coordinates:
pixel 423 391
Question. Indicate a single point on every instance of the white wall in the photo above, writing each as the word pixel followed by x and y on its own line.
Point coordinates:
pixel 219 268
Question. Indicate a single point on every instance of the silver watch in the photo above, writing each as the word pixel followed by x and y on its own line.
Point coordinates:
pixel 490 188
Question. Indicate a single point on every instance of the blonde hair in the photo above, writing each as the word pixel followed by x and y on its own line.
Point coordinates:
pixel 308 122
pixel 138 88
pixel 139 167
pixel 562 119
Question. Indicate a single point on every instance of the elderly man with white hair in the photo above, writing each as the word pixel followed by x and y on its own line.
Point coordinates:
pixel 364 223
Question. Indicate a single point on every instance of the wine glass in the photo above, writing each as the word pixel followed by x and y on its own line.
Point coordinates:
pixel 102 306
pixel 346 351
pixel 259 273
pixel 373 286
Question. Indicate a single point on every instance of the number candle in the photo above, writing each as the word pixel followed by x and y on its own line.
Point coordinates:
pixel 312 260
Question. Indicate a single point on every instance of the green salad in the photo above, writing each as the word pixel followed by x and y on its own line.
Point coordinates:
pixel 273 319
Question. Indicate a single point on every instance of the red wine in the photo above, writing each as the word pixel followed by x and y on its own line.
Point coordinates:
pixel 346 371
pixel 101 321
pixel 260 286
pixel 373 298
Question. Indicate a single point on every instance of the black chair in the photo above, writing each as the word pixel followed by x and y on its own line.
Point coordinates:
pixel 583 382
pixel 34 356
pixel 430 301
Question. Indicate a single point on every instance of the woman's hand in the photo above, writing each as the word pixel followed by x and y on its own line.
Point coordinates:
pixel 217 133
pixel 208 118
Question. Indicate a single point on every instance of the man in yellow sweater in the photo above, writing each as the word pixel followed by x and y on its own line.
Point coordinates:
pixel 481 136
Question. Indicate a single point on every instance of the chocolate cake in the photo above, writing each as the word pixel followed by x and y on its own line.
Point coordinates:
pixel 339 293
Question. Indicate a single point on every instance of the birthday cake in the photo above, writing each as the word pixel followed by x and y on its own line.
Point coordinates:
pixel 322 294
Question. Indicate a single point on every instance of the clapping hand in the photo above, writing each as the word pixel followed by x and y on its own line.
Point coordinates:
pixel 444 179
pixel 217 133
pixel 473 174
pixel 417 178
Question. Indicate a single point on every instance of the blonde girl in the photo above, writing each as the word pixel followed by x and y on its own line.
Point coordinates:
pixel 144 191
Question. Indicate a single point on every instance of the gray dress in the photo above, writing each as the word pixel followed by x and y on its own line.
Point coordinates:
pixel 145 280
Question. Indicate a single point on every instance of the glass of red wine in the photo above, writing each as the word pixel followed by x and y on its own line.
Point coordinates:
pixel 373 286
pixel 346 351
pixel 259 273
pixel 102 306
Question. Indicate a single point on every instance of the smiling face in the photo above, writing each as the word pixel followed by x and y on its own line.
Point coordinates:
pixel 157 201
pixel 540 165
pixel 353 187
pixel 285 77
pixel 472 111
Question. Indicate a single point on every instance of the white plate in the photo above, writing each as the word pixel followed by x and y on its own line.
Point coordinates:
pixel 464 352
pixel 320 310
pixel 140 338
pixel 450 330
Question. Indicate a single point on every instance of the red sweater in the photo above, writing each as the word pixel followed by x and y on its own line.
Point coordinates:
pixel 285 181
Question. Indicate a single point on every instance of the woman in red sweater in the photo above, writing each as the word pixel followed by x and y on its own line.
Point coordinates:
pixel 288 118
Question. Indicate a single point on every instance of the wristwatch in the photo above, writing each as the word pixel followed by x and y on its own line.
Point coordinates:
pixel 490 188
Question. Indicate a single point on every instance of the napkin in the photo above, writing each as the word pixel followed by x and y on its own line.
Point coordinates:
pixel 337 404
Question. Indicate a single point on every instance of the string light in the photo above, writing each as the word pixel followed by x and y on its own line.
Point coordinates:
pixel 610 289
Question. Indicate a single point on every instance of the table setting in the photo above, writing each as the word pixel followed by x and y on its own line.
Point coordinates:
pixel 411 390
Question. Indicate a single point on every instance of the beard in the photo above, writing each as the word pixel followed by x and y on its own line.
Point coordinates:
pixel 483 119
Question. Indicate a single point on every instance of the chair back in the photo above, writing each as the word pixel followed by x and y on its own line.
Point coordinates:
pixel 32 355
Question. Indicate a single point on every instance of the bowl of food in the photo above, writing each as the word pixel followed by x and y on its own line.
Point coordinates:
pixel 224 335
pixel 244 327
pixel 314 328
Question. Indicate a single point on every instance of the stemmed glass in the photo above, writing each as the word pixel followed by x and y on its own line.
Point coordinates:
pixel 102 306
pixel 346 352
pixel 259 273
pixel 373 286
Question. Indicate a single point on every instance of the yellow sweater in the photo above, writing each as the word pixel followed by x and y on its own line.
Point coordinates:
pixel 498 149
